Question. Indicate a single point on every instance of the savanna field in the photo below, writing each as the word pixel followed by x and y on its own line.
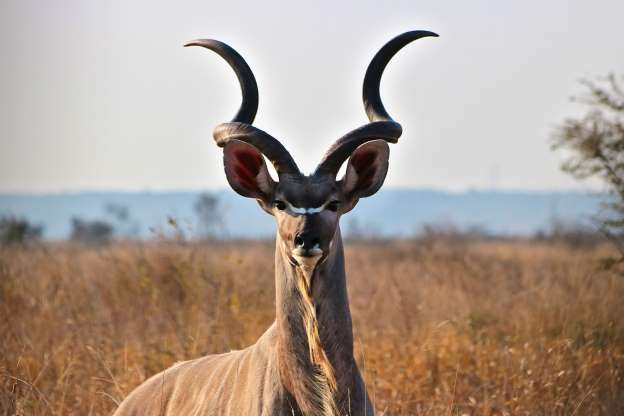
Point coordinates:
pixel 442 327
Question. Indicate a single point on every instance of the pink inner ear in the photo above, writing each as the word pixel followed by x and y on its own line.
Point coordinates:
pixel 364 164
pixel 246 167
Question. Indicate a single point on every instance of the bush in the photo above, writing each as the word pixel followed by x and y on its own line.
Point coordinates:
pixel 18 231
pixel 596 145
pixel 91 232
pixel 573 234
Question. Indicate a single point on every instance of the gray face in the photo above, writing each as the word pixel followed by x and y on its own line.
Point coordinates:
pixel 307 208
pixel 307 211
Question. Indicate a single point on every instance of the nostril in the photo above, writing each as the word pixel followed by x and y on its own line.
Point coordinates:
pixel 298 241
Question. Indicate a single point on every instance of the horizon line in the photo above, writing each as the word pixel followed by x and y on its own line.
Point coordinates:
pixel 70 192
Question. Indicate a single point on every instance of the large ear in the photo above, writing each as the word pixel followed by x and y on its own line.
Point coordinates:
pixel 246 171
pixel 366 170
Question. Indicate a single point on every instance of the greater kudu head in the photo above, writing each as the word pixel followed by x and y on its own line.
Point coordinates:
pixel 308 207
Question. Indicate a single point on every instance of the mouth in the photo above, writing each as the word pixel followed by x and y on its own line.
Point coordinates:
pixel 307 259
pixel 312 252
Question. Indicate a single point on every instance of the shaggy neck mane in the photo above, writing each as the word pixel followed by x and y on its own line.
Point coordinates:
pixel 315 340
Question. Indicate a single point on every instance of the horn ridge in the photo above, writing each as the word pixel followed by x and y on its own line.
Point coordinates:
pixel 240 127
pixel 370 90
pixel 249 88
pixel 261 140
pixel 381 125
pixel 340 151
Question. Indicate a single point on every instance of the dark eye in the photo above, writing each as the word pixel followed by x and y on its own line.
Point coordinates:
pixel 333 206
pixel 281 205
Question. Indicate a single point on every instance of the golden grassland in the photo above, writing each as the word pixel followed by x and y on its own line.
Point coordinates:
pixel 442 328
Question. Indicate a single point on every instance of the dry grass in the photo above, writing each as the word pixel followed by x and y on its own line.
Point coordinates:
pixel 508 328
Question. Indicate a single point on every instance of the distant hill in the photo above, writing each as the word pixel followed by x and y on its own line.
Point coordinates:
pixel 392 212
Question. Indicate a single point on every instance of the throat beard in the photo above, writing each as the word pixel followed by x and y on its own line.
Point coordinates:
pixel 322 381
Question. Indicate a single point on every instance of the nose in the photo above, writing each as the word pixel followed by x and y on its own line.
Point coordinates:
pixel 306 241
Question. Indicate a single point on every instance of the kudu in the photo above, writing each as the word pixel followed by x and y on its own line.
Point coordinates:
pixel 303 364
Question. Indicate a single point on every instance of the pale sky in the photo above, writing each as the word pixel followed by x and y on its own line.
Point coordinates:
pixel 102 95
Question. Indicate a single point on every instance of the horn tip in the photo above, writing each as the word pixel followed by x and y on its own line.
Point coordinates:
pixel 198 42
pixel 424 33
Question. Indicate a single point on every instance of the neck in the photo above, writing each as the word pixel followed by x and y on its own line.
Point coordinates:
pixel 315 339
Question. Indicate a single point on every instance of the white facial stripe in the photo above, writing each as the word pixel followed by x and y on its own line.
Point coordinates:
pixel 303 211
